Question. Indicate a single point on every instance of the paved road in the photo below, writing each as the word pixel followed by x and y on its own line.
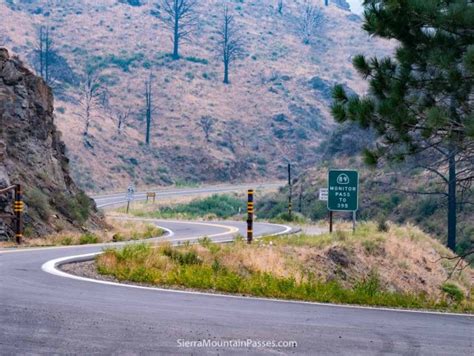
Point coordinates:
pixel 103 201
pixel 41 313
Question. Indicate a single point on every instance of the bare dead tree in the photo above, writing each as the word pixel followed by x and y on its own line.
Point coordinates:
pixel 206 123
pixel 44 53
pixel 148 107
pixel 90 94
pixel 120 116
pixel 280 7
pixel 180 17
pixel 310 19
pixel 230 43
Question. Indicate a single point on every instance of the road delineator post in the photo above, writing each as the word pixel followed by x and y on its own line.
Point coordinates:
pixel 250 214
pixel 290 192
pixel 18 207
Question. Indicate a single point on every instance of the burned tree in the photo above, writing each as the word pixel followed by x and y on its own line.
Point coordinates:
pixel 148 108
pixel 206 123
pixel 280 7
pixel 90 94
pixel 230 44
pixel 310 19
pixel 44 53
pixel 120 116
pixel 180 18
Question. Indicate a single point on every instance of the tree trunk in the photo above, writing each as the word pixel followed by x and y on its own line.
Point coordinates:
pixel 148 124
pixel 86 129
pixel 452 200
pixel 226 72
pixel 176 39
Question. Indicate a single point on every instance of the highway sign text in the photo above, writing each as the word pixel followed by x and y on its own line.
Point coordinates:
pixel 343 190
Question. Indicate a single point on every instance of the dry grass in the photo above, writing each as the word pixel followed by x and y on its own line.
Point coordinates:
pixel 406 259
pixel 122 230
pixel 402 267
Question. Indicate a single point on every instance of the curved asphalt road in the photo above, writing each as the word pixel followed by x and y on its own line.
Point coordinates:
pixel 41 313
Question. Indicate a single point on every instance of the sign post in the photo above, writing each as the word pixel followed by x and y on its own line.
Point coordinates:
pixel 343 192
pixel 151 195
pixel 130 195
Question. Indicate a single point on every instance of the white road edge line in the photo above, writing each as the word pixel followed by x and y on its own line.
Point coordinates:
pixel 51 267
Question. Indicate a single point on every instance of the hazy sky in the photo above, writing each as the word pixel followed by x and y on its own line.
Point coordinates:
pixel 356 6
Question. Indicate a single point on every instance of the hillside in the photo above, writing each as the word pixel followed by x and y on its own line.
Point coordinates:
pixel 33 155
pixel 275 108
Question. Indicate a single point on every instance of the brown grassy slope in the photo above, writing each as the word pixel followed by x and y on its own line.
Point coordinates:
pixel 251 137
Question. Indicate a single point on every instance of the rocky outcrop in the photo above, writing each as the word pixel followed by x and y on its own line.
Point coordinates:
pixel 32 154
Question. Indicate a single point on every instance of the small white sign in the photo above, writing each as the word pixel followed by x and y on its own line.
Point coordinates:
pixel 323 194
pixel 130 192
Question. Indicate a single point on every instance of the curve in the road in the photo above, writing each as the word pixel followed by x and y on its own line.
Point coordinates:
pixel 41 313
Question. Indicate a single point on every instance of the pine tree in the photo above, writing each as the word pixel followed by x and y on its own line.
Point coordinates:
pixel 420 101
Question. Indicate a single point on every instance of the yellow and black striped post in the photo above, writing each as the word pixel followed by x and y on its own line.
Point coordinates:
pixel 290 192
pixel 250 212
pixel 18 207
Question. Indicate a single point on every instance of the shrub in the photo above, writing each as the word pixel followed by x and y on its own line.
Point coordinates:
pixel 295 217
pixel 382 224
pixel 197 60
pixel 370 286
pixel 118 237
pixel 183 258
pixel 88 238
pixel 453 291
pixel 222 206
pixel 38 201
pixel 66 241
pixel 75 207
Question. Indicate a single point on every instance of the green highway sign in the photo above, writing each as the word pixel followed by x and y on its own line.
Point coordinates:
pixel 343 190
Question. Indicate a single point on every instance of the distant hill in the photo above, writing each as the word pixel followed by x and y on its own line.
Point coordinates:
pixel 276 107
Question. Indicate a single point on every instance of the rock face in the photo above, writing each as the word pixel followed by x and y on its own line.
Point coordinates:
pixel 32 154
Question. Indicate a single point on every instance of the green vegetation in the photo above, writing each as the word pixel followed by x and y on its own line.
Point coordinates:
pixel 220 206
pixel 197 60
pixel 38 202
pixel 123 61
pixel 436 66
pixel 381 201
pixel 453 291
pixel 77 207
pixel 256 270
pixel 151 231
pixel 88 238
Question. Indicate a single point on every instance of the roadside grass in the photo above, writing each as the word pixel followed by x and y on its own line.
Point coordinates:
pixel 122 230
pixel 222 206
pixel 288 268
